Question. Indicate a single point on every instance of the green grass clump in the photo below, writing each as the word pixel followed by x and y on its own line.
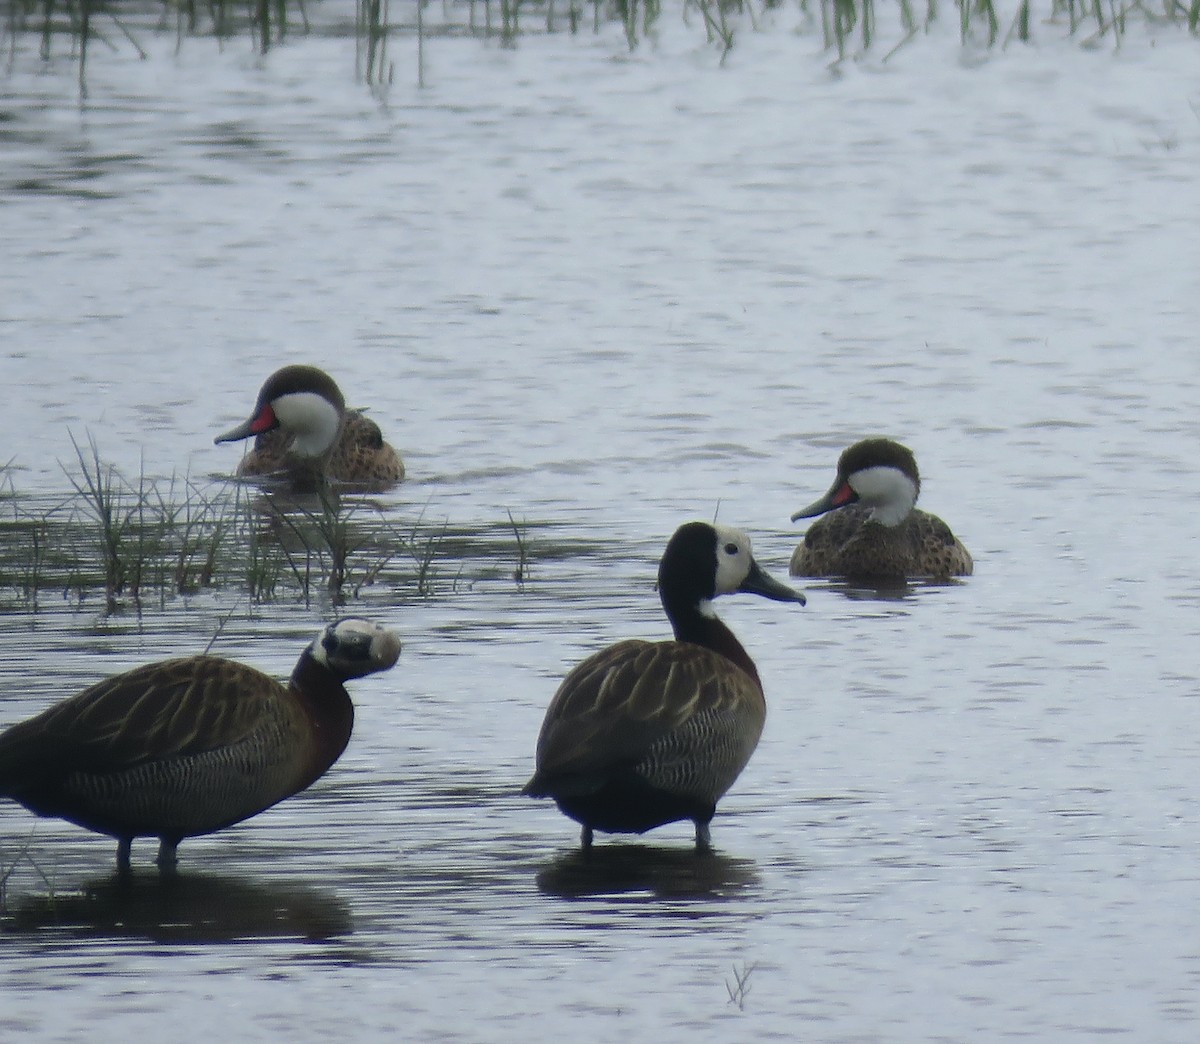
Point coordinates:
pixel 138 543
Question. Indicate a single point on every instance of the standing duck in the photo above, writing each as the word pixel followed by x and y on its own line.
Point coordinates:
pixel 188 746
pixel 305 434
pixel 646 733
pixel 873 532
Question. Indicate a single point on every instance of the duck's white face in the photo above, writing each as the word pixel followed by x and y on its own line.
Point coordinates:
pixel 734 559
pixel 353 647
pixel 311 419
pixel 887 491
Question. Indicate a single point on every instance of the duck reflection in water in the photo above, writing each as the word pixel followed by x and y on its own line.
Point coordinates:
pixel 665 873
pixel 188 907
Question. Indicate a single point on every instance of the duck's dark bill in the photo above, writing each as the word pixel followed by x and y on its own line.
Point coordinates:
pixel 263 420
pixel 759 582
pixel 839 496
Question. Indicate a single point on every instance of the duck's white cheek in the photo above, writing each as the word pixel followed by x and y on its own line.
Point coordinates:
pixel 312 420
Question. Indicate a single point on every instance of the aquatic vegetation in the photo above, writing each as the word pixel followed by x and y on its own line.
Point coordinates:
pixel 141 543
pixel 740 986
pixel 847 27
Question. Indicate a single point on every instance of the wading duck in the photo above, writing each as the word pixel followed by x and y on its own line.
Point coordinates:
pixel 305 434
pixel 188 746
pixel 646 733
pixel 873 531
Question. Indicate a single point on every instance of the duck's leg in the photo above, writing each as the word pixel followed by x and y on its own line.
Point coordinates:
pixel 124 861
pixel 167 860
pixel 703 837
pixel 585 837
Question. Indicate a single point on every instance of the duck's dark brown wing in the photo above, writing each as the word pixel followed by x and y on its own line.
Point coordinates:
pixel 164 710
pixel 639 704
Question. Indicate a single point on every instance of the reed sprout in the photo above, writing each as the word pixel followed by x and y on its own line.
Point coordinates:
pixel 521 573
pixel 8 868
pixel 740 987
pixel 423 546
pixel 104 496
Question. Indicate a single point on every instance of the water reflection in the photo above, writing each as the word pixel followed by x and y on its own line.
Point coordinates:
pixel 665 873
pixel 193 908
pixel 895 591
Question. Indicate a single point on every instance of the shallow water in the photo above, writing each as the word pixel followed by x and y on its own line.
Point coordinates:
pixel 609 293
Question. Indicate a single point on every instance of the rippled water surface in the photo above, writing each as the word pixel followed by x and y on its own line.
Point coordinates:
pixel 609 293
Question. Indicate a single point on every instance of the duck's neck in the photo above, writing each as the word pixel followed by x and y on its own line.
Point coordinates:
pixel 701 626
pixel 328 707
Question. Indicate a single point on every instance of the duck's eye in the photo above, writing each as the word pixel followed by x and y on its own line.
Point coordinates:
pixel 731 548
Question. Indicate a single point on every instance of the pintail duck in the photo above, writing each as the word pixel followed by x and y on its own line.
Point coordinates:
pixel 304 432
pixel 646 733
pixel 873 532
pixel 188 746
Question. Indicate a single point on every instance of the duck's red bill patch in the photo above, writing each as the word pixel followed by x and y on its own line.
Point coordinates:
pixel 265 421
pixel 843 496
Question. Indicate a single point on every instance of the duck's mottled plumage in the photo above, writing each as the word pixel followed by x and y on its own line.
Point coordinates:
pixel 870 530
pixel 187 746
pixel 646 733
pixel 289 444
pixel 842 543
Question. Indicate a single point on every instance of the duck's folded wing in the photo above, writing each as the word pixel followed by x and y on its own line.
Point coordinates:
pixel 615 706
pixel 169 709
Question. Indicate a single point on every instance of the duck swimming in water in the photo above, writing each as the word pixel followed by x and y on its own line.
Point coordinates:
pixel 188 746
pixel 305 434
pixel 646 733
pixel 871 530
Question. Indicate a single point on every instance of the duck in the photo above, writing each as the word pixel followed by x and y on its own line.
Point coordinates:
pixel 191 745
pixel 645 733
pixel 871 530
pixel 305 434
